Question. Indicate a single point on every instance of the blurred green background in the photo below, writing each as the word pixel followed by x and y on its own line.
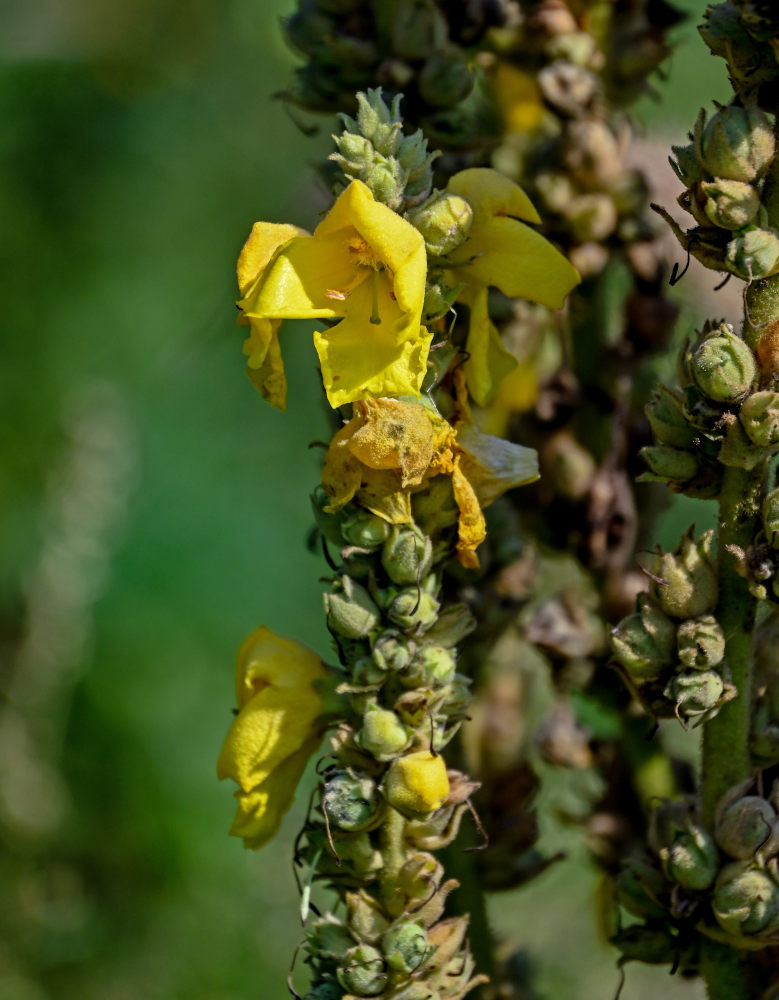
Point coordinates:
pixel 155 510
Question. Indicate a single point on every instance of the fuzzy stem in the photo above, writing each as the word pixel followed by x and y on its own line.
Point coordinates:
pixel 393 854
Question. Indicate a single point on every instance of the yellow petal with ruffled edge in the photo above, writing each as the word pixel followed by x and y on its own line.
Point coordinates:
pixel 471 526
pixel 263 242
pixel 394 434
pixel 488 360
pixel 265 366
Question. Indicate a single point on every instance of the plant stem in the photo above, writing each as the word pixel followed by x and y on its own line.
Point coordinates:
pixel 393 853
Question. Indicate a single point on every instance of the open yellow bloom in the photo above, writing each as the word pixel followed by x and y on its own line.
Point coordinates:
pixel 366 266
pixel 391 448
pixel 275 732
pixel 501 252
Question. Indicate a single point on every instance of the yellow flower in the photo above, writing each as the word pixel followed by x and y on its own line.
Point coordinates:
pixel 518 97
pixel 275 732
pixel 366 266
pixel 417 784
pixel 502 252
pixel 392 448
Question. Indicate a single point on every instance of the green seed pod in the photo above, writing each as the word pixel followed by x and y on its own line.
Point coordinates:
pixel 432 666
pixel 736 143
pixel 446 78
pixel 689 588
pixel 770 514
pixel 405 947
pixel 644 642
pixel 666 416
pixel 413 609
pixel 746 899
pixel 364 530
pixel 637 887
pixel 362 971
pixel 383 735
pixel 444 222
pixel 328 937
pixel 407 555
pixel 350 801
pixel 692 859
pixel 759 416
pixel 753 254
pixel 723 367
pixel 418 28
pixel 700 643
pixel 695 693
pixel 646 943
pixel 730 204
pixel 744 826
pixel 392 652
pixel 350 610
pixel 669 464
pixel 327 990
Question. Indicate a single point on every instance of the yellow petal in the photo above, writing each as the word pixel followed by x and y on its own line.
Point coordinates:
pixel 265 366
pixel 488 360
pixel 417 784
pixel 342 472
pixel 383 496
pixel 490 193
pixel 264 240
pixel 265 658
pixel 519 98
pixel 260 810
pixel 471 526
pixel 492 465
pixel 394 435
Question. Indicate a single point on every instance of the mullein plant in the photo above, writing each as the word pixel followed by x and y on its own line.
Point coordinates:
pixel 405 480
pixel 701 644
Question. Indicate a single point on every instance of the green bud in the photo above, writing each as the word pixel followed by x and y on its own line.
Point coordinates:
pixel 350 801
pixel 646 943
pixel 305 30
pixel 689 588
pixel 327 990
pixel 723 367
pixel 669 464
pixel 644 642
pixel 745 825
pixel 365 530
pixel 692 859
pixel 746 899
pixel 753 254
pixel 365 917
pixel 386 181
pixel 759 416
pixel 637 887
pixel 407 554
pixel 362 971
pixel 355 149
pixel 350 610
pixel 434 507
pixel 736 144
pixel 328 937
pixel 666 416
pixel 439 299
pixel 418 28
pixel 383 735
pixel 413 608
pixel 700 643
pixel 730 204
pixel 405 947
pixel 446 78
pixel 686 166
pixel 695 693
pixel 391 651
pixel 770 514
pixel 379 124
pixel 444 222
pixel 432 666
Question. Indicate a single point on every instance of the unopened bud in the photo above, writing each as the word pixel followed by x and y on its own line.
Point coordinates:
pixel 328 937
pixel 753 254
pixel 746 899
pixel 700 643
pixel 759 416
pixel 744 825
pixel 418 28
pixel 730 204
pixel 669 464
pixel 350 610
pixel 432 666
pixel 770 515
pixel 444 222
pixel 695 693
pixel 416 784
pixel 365 530
pixel 643 643
pixel 736 143
pixel 691 859
pixel 413 608
pixel 379 124
pixel 407 555
pixel 350 801
pixel 646 943
pixel 666 416
pixel 637 887
pixel 689 577
pixel 446 78
pixel 405 947
pixel 362 971
pixel 687 166
pixel 723 367
pixel 391 652
pixel 355 149
pixel 385 180
pixel 383 735
pixel 326 990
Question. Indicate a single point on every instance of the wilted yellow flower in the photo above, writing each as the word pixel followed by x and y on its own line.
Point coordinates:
pixel 364 265
pixel 275 732
pixel 417 784
pixel 502 252
pixel 391 448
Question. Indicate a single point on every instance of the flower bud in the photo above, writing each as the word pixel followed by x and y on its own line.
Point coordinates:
pixel 444 222
pixel 378 123
pixel 770 515
pixel 391 651
pixel 383 735
pixel 643 643
pixel 692 859
pixel 405 947
pixel 326 990
pixel 746 899
pixel 364 530
pixel 695 693
pixel 413 608
pixel 745 825
pixel 365 917
pixel 753 254
pixel 407 554
pixel 666 416
pixel 434 507
pixel 385 179
pixel 418 28
pixel 689 588
pixel 446 78
pixel 454 623
pixel 355 149
pixel 723 367
pixel 416 784
pixel 350 801
pixel 736 143
pixel 669 464
pixel 637 887
pixel 700 643
pixel 646 943
pixel 730 204
pixel 362 971
pixel 328 937
pixel 759 416
pixel 686 166
pixel 432 666
pixel 350 610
